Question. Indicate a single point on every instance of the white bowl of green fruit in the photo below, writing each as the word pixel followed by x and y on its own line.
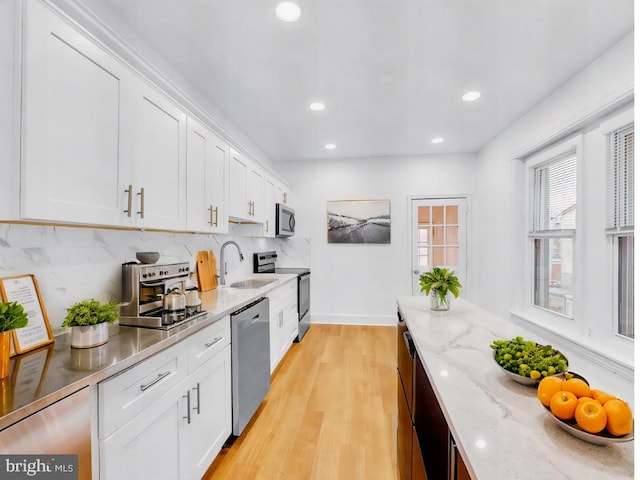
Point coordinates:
pixel 528 362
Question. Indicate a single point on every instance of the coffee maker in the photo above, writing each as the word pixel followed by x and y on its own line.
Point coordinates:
pixel 153 295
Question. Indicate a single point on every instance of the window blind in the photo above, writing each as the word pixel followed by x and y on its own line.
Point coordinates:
pixel 554 194
pixel 621 178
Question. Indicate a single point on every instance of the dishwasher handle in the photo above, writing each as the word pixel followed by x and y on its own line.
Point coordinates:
pixel 408 342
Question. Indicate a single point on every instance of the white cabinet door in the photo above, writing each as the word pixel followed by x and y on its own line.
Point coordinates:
pixel 158 148
pixel 239 206
pixel 270 194
pixel 72 163
pixel 255 193
pixel 209 424
pixel 207 179
pixel 149 445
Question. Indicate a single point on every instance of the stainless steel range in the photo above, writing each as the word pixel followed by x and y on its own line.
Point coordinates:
pixel 265 262
pixel 154 296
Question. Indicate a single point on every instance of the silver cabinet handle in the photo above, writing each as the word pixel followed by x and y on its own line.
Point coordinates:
pixel 155 380
pixel 267 226
pixel 250 207
pixel 210 344
pixel 129 192
pixel 211 215
pixel 197 389
pixel 215 223
pixel 141 194
pixel 188 397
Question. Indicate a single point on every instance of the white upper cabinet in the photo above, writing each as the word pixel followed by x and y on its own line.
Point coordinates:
pixel 207 179
pixel 246 189
pixel 158 146
pixel 271 196
pixel 72 160
pixel 100 145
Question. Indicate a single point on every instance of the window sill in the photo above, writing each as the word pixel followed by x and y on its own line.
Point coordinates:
pixel 614 355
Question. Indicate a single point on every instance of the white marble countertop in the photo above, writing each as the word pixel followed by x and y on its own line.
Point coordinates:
pixel 500 427
pixel 126 347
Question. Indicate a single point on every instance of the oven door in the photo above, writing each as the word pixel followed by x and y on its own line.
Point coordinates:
pixel 285 221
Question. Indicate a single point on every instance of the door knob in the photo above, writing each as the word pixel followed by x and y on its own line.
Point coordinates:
pixel 416 272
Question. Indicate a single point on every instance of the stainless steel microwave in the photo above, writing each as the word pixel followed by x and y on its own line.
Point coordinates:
pixel 285 220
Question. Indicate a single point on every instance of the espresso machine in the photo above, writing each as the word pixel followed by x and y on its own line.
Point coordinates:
pixel 156 295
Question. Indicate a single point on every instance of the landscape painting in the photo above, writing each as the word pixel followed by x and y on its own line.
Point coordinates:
pixel 359 221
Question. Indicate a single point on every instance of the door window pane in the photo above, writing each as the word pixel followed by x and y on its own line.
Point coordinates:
pixel 438 256
pixel 437 215
pixel 452 215
pixel 452 256
pixel 452 236
pixel 438 235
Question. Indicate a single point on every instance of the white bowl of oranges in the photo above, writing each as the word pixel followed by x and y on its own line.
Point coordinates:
pixel 589 414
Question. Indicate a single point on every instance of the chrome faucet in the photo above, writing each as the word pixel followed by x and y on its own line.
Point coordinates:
pixel 223 264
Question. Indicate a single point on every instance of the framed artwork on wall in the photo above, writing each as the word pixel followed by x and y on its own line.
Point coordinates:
pixel 359 221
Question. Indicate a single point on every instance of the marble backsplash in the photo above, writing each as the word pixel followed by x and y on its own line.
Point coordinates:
pixel 74 263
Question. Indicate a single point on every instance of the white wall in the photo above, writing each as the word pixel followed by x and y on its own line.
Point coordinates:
pixel 498 201
pixel 360 283
pixel 499 237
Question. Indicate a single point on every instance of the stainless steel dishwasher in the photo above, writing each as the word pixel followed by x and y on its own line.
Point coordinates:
pixel 249 361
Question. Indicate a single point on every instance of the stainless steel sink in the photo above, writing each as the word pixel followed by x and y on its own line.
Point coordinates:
pixel 251 283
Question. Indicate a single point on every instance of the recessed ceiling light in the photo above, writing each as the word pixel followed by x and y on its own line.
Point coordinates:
pixel 330 146
pixel 386 77
pixel 471 96
pixel 288 12
pixel 317 106
pixel 437 140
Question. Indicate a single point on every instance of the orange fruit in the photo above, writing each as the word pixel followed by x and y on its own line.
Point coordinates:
pixel 578 387
pixel 601 397
pixel 582 400
pixel 563 404
pixel 590 415
pixel 619 417
pixel 547 387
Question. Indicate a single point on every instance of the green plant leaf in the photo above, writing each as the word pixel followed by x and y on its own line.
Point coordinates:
pixel 90 312
pixel 12 315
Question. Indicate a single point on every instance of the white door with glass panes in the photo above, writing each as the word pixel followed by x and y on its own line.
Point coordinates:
pixel 439 237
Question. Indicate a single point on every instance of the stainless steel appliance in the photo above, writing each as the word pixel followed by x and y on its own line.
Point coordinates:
pixel 154 295
pixel 285 220
pixel 250 357
pixel 265 262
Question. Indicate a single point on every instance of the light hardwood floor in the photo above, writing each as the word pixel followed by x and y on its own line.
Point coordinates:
pixel 330 414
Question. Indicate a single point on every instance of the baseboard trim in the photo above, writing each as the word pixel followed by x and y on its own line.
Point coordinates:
pixel 347 319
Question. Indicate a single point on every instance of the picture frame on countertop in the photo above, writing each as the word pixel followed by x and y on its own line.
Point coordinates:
pixel 24 290
pixel 359 221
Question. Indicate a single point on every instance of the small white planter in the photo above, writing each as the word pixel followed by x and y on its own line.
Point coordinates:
pixel 90 335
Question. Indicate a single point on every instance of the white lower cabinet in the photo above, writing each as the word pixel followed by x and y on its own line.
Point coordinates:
pixel 171 434
pixel 283 320
pixel 209 422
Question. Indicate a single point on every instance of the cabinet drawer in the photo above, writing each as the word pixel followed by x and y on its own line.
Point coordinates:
pixel 208 342
pixel 124 396
pixel 280 295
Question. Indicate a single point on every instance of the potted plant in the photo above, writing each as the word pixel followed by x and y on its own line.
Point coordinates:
pixel 89 320
pixel 12 315
pixel 438 283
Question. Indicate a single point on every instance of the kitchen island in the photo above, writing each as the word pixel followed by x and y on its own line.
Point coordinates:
pixel 500 428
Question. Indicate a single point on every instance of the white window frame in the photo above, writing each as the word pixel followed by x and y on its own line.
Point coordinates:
pixel 571 145
pixel 608 127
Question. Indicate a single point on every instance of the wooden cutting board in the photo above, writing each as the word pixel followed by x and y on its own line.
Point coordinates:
pixel 207 270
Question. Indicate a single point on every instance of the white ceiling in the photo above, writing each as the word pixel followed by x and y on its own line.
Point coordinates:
pixel 263 73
